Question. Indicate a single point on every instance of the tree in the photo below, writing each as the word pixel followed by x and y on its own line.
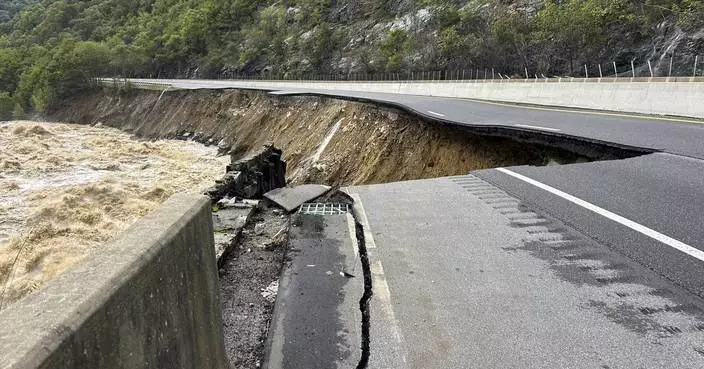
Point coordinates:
pixel 573 28
pixel 7 104
pixel 394 50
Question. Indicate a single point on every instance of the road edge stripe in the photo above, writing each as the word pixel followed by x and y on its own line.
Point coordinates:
pixel 676 244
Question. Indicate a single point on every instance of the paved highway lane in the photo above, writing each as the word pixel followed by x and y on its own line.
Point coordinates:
pixel 465 276
pixel 661 192
pixel 678 136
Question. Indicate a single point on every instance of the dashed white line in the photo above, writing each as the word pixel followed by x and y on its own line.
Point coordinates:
pixel 383 293
pixel 537 127
pixel 681 246
pixel 436 113
pixel 353 237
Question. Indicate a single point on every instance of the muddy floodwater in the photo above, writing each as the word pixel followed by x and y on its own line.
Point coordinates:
pixel 66 189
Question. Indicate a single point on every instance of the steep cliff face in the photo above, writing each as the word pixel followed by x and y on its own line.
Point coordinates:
pixel 357 39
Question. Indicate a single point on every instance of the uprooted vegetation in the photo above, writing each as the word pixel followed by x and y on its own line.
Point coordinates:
pixel 323 140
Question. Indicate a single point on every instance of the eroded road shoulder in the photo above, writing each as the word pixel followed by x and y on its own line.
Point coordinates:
pixel 317 322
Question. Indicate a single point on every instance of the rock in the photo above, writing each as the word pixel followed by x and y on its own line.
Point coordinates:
pixel 269 293
pixel 252 177
pixel 259 228
pixel 223 147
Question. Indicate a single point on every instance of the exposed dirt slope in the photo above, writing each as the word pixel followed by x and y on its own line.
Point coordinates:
pixel 369 144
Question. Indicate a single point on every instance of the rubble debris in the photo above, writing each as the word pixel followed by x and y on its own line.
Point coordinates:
pixel 270 292
pixel 249 280
pixel 251 177
pixel 229 219
pixel 290 198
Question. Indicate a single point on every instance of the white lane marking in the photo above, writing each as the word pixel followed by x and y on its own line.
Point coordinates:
pixel 383 293
pixel 538 127
pixel 368 237
pixel 353 237
pixel 681 246
pixel 435 113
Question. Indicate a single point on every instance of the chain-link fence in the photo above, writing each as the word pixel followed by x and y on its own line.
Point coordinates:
pixel 671 69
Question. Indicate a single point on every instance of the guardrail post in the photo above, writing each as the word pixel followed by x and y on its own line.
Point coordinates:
pixel 650 67
pixel 696 59
pixel 633 69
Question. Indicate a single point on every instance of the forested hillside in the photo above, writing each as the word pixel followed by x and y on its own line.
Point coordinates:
pixel 54 47
pixel 8 9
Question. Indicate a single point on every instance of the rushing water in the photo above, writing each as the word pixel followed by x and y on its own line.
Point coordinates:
pixel 65 189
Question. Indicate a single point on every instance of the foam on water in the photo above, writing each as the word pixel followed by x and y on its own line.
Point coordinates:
pixel 65 189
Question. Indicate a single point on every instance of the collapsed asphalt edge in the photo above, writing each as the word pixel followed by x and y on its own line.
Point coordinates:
pixel 590 147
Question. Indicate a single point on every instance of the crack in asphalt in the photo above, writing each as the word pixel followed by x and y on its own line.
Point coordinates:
pixel 364 301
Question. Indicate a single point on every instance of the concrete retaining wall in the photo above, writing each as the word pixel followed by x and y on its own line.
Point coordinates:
pixel 146 300
pixel 658 98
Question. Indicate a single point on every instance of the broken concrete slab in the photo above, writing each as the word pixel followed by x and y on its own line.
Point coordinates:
pixel 227 226
pixel 290 198
pixel 252 176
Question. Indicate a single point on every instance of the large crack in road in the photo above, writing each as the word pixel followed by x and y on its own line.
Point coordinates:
pixel 366 297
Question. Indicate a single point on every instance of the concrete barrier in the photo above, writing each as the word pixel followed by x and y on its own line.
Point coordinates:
pixel 146 300
pixel 684 99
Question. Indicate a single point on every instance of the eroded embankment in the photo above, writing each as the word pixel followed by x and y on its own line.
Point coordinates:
pixel 323 140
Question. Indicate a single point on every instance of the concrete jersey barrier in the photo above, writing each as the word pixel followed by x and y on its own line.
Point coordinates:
pixel 684 99
pixel 148 299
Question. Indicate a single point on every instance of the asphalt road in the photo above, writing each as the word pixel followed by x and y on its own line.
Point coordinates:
pixel 465 276
pixel 662 192
pixel 626 290
pixel 672 135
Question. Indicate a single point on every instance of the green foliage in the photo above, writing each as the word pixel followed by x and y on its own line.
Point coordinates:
pixel 50 49
pixel 690 14
pixel 394 50
pixel 72 66
pixel 6 106
pixel 18 112
pixel 574 26
pixel 8 9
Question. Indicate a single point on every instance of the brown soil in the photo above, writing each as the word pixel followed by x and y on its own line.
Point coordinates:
pixel 372 144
